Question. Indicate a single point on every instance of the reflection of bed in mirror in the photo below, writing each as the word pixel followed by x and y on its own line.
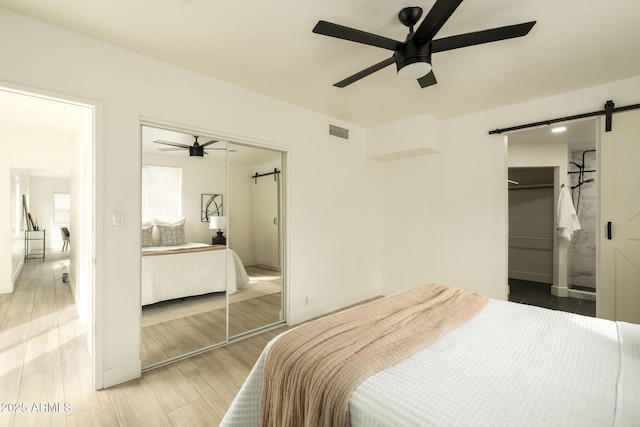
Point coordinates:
pixel 170 272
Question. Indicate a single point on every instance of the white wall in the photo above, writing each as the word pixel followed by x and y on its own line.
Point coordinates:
pixel 42 191
pixel 84 208
pixel 12 255
pixel 445 214
pixel 209 176
pixel 199 176
pixel 241 235
pixel 240 214
pixel 330 262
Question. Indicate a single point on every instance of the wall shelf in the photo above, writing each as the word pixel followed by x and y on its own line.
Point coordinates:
pixel 32 236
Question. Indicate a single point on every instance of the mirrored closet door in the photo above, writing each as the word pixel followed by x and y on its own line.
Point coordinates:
pixel 211 232
pixel 184 276
pixel 255 206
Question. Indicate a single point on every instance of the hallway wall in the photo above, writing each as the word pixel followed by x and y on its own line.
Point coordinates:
pixel 43 188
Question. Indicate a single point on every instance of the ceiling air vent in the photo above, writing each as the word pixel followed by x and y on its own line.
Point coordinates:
pixel 338 131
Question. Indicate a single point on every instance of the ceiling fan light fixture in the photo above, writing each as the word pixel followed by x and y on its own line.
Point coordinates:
pixel 413 60
pixel 415 70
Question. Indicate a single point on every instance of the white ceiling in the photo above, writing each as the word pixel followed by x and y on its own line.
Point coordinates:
pixel 40 117
pixel 579 135
pixel 268 47
pixel 53 123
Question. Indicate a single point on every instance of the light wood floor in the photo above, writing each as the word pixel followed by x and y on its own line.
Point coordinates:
pixel 44 364
pixel 174 338
pixel 45 367
pixel 181 336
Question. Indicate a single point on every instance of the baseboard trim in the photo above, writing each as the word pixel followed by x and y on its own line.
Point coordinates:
pixel 122 374
pixel 322 309
pixel 16 273
pixel 531 277
pixel 559 291
pixel 577 293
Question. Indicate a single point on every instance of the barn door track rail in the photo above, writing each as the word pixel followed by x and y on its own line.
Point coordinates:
pixel 274 173
pixel 609 110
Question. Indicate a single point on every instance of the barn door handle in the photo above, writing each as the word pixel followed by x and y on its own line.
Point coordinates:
pixel 609 230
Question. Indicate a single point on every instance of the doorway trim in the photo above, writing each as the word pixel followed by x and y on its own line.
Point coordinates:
pixel 558 158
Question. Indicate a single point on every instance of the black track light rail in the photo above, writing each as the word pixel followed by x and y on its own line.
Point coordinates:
pixel 609 110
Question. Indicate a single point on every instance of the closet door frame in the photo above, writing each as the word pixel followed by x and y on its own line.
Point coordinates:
pixel 282 220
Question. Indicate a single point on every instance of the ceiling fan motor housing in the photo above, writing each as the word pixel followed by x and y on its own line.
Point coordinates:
pixel 411 52
pixel 196 150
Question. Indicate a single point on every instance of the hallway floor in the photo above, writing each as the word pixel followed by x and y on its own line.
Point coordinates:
pixel 45 368
pixel 539 294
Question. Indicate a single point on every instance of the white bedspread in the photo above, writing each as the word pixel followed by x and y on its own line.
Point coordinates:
pixel 179 275
pixel 510 365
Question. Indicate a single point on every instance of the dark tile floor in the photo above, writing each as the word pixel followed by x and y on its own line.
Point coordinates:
pixel 539 294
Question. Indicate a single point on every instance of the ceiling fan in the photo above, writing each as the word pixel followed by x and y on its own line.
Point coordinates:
pixel 195 150
pixel 413 56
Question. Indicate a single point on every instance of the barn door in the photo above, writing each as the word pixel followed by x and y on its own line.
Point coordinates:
pixel 619 282
pixel 267 221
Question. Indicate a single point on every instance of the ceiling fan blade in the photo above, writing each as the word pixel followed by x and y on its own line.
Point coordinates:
pixel 435 19
pixel 351 34
pixel 174 144
pixel 427 80
pixel 480 37
pixel 364 73
pixel 208 143
pixel 170 149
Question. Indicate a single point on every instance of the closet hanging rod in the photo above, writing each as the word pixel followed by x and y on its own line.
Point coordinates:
pixel 530 238
pixel 274 173
pixel 531 186
pixel 608 111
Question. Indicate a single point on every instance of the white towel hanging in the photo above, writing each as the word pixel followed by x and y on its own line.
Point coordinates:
pixel 567 218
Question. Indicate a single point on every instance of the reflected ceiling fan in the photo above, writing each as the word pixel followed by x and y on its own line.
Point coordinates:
pixel 195 150
pixel 413 56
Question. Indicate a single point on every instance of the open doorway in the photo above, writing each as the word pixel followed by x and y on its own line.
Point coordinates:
pixel 544 268
pixel 50 146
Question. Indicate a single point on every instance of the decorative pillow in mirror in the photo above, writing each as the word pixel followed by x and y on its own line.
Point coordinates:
pixel 171 235
pixel 147 236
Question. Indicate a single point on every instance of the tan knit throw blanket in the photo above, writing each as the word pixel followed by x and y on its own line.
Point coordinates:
pixel 310 371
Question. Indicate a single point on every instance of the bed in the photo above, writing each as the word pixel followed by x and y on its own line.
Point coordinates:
pixel 506 364
pixel 190 269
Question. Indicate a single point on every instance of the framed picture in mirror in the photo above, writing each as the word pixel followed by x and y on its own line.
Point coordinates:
pixel 210 205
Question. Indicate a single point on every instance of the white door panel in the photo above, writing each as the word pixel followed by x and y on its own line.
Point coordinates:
pixel 619 283
pixel 267 243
